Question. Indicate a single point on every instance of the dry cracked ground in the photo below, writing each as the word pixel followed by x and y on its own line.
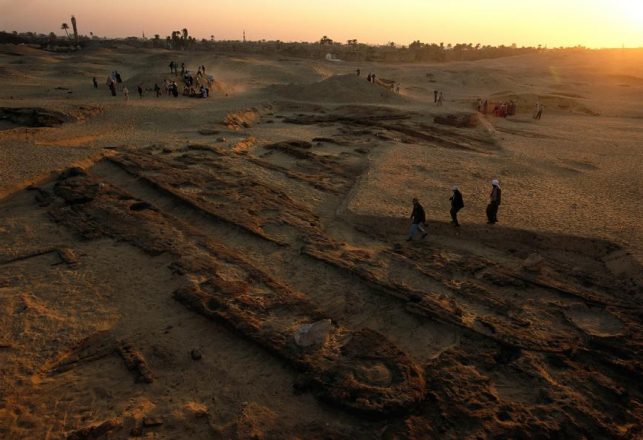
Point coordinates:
pixel 228 293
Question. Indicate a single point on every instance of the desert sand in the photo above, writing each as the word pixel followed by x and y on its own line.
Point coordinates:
pixel 161 258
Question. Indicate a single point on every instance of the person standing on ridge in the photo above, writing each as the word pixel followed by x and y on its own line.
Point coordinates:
pixel 457 203
pixel 494 202
pixel 418 218
pixel 539 113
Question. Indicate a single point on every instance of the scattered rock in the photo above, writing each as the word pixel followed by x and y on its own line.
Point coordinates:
pixel 94 347
pixel 534 263
pixel 208 131
pixel 68 256
pixel 313 334
pixel 197 410
pixel 33 116
pixel 196 355
pixel 135 362
pixel 141 206
pixel 72 172
pixel 244 145
pixel 243 118
pixel 137 430
pixel 75 190
pixel 152 421
pixel 96 431
pixel 295 149
pixel 460 120
pixel 43 197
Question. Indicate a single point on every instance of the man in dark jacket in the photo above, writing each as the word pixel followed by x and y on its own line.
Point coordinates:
pixel 418 218
pixel 457 203
pixel 494 202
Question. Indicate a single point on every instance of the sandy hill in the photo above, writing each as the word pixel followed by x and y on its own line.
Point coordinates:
pixel 237 267
pixel 338 88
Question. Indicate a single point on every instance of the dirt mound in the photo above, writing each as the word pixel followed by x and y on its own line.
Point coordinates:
pixel 19 50
pixel 526 102
pixel 338 88
pixel 33 117
pixel 241 118
pixel 460 120
pixel 41 117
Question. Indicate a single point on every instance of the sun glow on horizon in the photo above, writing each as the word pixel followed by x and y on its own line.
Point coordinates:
pixel 553 23
pixel 632 10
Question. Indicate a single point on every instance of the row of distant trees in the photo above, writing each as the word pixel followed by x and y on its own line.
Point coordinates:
pixel 351 50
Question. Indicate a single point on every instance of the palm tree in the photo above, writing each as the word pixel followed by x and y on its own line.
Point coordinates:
pixel 175 39
pixel 65 27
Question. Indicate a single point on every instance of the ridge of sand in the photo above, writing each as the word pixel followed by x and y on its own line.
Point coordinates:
pixel 340 89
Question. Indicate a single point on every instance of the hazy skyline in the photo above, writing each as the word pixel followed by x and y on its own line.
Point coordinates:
pixel 592 23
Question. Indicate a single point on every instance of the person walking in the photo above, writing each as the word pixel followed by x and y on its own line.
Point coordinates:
pixel 139 89
pixel 112 86
pixel 494 202
pixel 95 83
pixel 157 90
pixel 126 93
pixel 457 203
pixel 539 113
pixel 418 218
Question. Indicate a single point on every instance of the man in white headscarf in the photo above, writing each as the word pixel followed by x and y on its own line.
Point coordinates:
pixel 494 202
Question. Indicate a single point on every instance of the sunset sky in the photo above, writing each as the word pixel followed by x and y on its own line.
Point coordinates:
pixel 592 23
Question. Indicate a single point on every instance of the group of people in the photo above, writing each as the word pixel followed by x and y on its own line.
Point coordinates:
pixel 418 215
pixel 174 66
pixel 198 87
pixel 114 80
pixel 504 109
pixel 394 86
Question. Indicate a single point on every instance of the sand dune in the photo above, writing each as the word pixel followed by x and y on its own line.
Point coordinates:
pixel 340 88
pixel 236 267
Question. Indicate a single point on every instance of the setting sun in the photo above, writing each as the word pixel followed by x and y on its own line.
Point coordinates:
pixel 632 11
